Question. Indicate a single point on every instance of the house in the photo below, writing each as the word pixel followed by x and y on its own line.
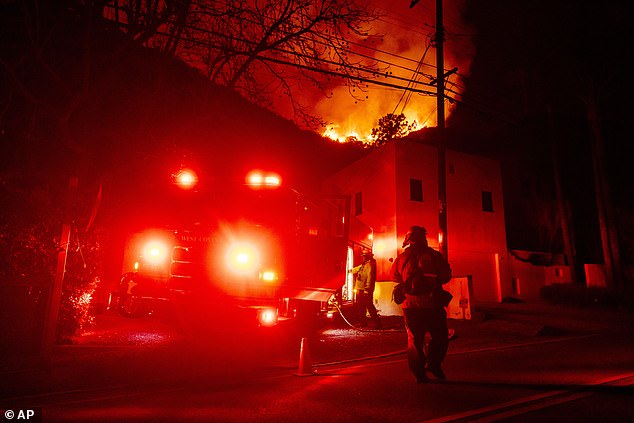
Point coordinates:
pixel 396 186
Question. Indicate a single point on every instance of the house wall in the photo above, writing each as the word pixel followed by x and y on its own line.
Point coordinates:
pixel 476 239
pixel 476 230
pixel 373 176
pixel 417 161
pixel 527 279
pixel 483 270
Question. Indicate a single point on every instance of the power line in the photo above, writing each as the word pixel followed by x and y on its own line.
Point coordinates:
pixel 407 88
pixel 353 43
pixel 320 60
pixel 296 54
pixel 361 79
pixel 465 99
pixel 412 81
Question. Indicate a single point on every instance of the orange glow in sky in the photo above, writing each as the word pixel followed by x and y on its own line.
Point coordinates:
pixel 406 43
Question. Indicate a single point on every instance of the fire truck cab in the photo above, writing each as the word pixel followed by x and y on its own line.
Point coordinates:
pixel 255 247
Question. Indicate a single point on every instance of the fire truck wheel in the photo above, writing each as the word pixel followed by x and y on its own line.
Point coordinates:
pixel 130 305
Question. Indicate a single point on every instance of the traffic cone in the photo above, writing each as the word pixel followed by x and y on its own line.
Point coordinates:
pixel 305 363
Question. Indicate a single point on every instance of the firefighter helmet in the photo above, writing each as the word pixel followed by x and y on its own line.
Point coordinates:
pixel 415 235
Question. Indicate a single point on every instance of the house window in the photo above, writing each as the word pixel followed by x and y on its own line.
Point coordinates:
pixel 358 204
pixel 487 201
pixel 416 190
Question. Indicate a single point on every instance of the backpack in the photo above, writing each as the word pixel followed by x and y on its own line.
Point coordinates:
pixel 415 284
pixel 419 284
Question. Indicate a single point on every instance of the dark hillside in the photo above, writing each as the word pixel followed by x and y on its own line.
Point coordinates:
pixel 77 98
pixel 87 99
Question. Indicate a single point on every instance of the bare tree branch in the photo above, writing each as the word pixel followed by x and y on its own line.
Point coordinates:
pixel 248 44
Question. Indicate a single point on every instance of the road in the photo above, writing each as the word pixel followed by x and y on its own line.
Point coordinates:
pixel 580 378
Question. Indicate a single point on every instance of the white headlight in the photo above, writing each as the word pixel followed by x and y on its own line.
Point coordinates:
pixel 242 258
pixel 267 316
pixel 155 252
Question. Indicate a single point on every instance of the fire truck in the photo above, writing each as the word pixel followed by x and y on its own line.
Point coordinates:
pixel 255 249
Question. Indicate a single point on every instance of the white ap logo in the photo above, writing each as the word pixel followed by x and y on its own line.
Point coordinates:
pixel 19 415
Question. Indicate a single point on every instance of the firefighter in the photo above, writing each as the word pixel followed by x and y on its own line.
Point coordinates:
pixel 365 280
pixel 422 314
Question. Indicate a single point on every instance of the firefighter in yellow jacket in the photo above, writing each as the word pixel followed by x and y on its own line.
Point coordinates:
pixel 365 280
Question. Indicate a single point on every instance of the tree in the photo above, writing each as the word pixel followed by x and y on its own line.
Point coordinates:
pixel 265 50
pixel 391 126
pixel 52 78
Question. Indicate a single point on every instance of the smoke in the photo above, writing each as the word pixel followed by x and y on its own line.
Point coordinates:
pixel 406 39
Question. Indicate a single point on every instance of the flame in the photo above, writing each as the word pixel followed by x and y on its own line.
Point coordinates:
pixel 335 133
pixel 403 35
pixel 407 32
pixel 361 129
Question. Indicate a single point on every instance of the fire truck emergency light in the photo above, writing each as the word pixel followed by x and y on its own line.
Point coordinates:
pixel 186 178
pixel 257 179
pixel 268 276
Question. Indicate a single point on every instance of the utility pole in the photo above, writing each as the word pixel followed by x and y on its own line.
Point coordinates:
pixel 440 106
pixel 439 39
pixel 55 294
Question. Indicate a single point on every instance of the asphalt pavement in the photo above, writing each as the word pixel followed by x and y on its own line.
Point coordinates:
pixel 117 350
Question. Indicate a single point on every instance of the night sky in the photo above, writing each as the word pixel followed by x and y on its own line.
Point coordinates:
pixel 535 58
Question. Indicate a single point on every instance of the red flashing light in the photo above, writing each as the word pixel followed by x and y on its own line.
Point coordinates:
pixel 272 180
pixel 186 178
pixel 269 276
pixel 257 179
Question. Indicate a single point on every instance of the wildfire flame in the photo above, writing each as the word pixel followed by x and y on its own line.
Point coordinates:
pixel 407 39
